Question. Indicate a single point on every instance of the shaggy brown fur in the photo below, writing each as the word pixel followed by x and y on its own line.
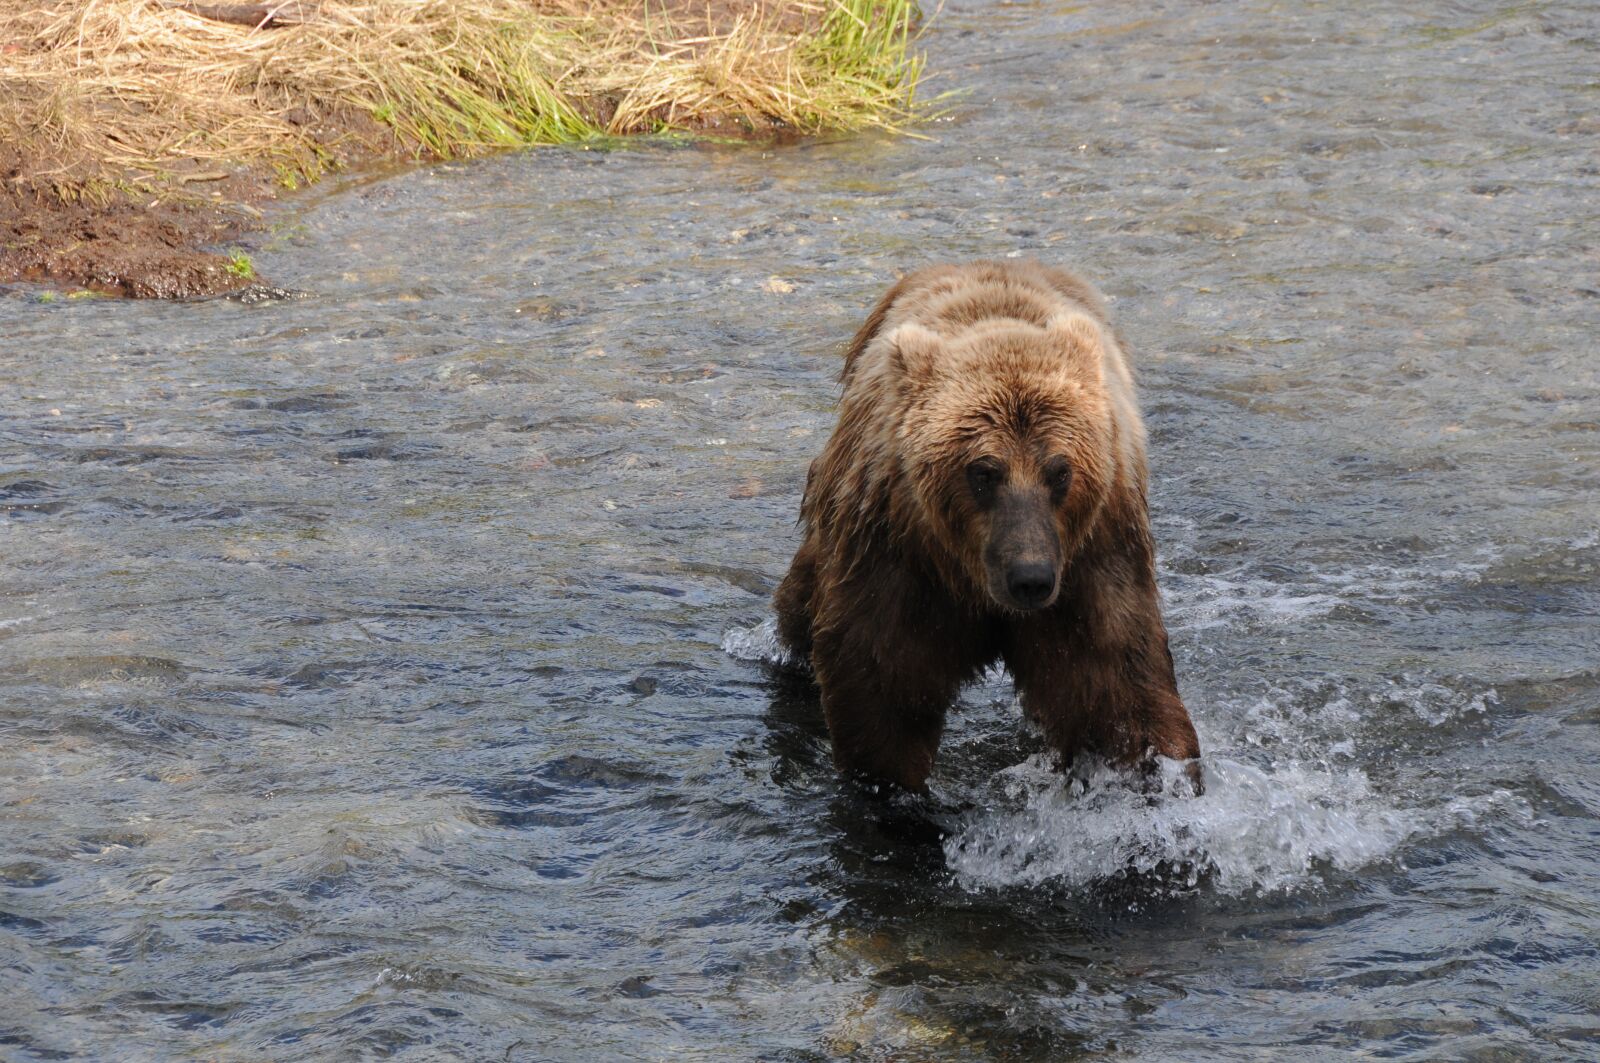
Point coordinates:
pixel 983 498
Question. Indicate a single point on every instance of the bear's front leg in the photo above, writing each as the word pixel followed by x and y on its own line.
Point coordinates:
pixel 889 654
pixel 1096 673
pixel 885 726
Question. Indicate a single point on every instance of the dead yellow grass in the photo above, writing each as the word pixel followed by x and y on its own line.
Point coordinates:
pixel 144 91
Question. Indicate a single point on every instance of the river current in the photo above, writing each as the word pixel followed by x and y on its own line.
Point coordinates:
pixel 386 673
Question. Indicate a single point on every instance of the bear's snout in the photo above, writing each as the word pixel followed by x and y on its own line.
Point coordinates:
pixel 1024 554
pixel 1031 583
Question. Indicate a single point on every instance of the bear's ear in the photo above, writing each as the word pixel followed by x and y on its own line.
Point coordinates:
pixel 1078 335
pixel 916 352
pixel 1076 330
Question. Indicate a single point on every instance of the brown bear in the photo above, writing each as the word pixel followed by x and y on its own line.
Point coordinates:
pixel 983 498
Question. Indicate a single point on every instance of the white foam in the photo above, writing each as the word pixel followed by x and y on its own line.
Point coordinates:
pixel 1433 703
pixel 758 643
pixel 1227 595
pixel 1200 601
pixel 1255 830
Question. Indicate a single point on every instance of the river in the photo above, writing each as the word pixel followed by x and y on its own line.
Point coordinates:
pixel 384 673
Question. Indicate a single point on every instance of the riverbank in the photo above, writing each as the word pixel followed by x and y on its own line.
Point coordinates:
pixel 138 136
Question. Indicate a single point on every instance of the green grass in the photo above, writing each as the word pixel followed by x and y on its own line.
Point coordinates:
pixel 486 90
pixel 240 266
pixel 864 46
pixel 501 86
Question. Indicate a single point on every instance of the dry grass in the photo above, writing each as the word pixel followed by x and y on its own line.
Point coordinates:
pixel 145 92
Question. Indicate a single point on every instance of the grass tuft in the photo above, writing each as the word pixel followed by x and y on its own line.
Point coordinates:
pixel 239 265
pixel 864 50
pixel 144 92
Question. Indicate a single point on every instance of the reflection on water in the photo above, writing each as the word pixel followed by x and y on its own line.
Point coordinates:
pixel 363 688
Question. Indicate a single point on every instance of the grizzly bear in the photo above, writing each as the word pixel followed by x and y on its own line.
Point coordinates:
pixel 983 498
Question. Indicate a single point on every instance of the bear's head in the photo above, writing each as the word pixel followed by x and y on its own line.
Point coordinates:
pixel 1010 440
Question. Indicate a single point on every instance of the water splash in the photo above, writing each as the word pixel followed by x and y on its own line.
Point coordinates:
pixel 1285 797
pixel 758 643
pixel 1255 830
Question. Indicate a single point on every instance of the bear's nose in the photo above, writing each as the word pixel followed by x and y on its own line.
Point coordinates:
pixel 1031 583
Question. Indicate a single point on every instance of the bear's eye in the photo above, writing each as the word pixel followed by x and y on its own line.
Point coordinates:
pixel 1058 476
pixel 984 475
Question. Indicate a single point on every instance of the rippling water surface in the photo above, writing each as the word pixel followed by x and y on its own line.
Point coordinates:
pixel 363 680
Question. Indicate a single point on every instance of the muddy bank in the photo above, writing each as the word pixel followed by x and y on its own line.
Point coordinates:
pixel 151 250
pixel 168 240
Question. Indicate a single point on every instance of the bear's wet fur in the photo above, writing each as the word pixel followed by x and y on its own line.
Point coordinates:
pixel 982 499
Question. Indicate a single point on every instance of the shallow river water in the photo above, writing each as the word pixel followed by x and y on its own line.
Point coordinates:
pixel 383 673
